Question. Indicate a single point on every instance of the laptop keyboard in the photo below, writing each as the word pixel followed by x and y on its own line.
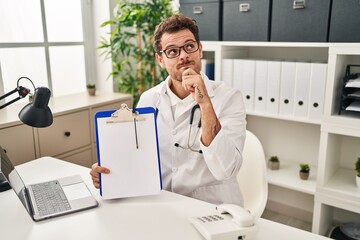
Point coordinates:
pixel 50 198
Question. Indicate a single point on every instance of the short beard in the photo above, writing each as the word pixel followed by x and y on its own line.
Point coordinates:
pixel 178 79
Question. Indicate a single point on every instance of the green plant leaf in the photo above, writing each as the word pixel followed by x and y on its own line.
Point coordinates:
pixel 122 46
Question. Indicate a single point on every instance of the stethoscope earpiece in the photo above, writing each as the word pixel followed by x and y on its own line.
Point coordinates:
pixel 178 145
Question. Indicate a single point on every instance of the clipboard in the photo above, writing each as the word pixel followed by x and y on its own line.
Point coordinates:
pixel 127 144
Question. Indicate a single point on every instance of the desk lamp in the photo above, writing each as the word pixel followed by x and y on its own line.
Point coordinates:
pixel 35 114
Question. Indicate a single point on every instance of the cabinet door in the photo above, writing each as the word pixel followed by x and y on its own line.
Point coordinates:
pixel 68 132
pixel 18 142
pixel 83 157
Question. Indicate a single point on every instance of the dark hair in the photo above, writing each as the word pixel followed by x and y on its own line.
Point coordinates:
pixel 174 24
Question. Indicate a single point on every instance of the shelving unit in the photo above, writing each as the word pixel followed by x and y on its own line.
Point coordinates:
pixel 330 145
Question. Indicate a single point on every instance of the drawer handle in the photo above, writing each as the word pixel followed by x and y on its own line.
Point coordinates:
pixel 299 4
pixel 244 7
pixel 67 133
pixel 197 10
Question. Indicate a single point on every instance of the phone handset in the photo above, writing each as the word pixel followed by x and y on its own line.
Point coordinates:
pixel 241 216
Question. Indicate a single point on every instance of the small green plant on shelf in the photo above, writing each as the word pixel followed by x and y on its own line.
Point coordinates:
pixel 91 88
pixel 357 169
pixel 304 171
pixel 31 97
pixel 90 85
pixel 274 163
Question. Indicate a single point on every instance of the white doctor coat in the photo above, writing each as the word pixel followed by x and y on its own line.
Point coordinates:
pixel 210 176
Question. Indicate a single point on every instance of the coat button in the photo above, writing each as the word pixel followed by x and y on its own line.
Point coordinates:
pixel 174 169
pixel 173 131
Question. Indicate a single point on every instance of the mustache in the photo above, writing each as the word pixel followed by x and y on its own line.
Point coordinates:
pixel 183 64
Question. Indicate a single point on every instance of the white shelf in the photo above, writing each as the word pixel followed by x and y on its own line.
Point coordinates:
pixel 343 186
pixel 288 177
pixel 286 118
pixel 344 125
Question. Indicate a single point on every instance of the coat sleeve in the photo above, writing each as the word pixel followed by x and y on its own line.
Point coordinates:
pixel 224 155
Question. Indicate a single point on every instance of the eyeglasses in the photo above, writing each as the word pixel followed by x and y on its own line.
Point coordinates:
pixel 173 52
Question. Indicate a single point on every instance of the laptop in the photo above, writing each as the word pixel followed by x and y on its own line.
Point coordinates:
pixel 48 199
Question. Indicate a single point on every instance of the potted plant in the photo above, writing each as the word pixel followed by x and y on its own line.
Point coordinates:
pixel 357 169
pixel 91 88
pixel 274 163
pixel 31 97
pixel 130 45
pixel 304 171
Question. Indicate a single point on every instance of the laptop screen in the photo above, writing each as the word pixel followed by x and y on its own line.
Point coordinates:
pixel 14 179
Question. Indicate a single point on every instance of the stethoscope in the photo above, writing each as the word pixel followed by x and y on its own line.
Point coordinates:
pixel 189 146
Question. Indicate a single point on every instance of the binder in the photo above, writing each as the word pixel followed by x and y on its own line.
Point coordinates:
pixel 210 71
pixel 261 75
pixel 317 90
pixel 287 88
pixel 248 79
pixel 244 80
pixel 302 88
pixel 273 87
pixel 227 71
pixel 238 66
pixel 208 67
pixel 127 144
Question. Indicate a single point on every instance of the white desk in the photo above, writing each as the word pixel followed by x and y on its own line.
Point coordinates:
pixel 157 217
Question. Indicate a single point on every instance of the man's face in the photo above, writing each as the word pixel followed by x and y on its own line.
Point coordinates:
pixel 176 66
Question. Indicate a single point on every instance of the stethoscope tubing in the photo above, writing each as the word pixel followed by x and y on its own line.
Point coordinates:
pixel 191 123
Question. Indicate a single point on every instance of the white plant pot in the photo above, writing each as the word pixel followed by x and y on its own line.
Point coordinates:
pixel 357 181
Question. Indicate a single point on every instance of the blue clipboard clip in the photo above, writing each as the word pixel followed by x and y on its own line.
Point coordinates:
pixel 125 114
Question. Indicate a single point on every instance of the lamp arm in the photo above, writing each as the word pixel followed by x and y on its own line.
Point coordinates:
pixel 9 93
pixel 20 90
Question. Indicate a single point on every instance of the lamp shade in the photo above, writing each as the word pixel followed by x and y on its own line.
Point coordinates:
pixel 38 114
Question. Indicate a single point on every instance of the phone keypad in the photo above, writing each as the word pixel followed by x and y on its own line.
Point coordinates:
pixel 210 218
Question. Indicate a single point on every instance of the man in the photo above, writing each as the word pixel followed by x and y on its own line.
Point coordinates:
pixel 199 160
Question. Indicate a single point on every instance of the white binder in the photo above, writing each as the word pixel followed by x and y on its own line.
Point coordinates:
pixel 238 66
pixel 248 83
pixel 273 87
pixel 227 71
pixel 302 88
pixel 317 90
pixel 261 74
pixel 287 87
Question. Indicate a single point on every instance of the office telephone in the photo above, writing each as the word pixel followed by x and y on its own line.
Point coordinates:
pixel 231 222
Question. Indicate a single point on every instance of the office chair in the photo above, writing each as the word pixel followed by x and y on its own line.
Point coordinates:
pixel 252 176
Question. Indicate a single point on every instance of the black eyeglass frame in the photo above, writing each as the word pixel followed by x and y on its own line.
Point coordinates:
pixel 179 49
